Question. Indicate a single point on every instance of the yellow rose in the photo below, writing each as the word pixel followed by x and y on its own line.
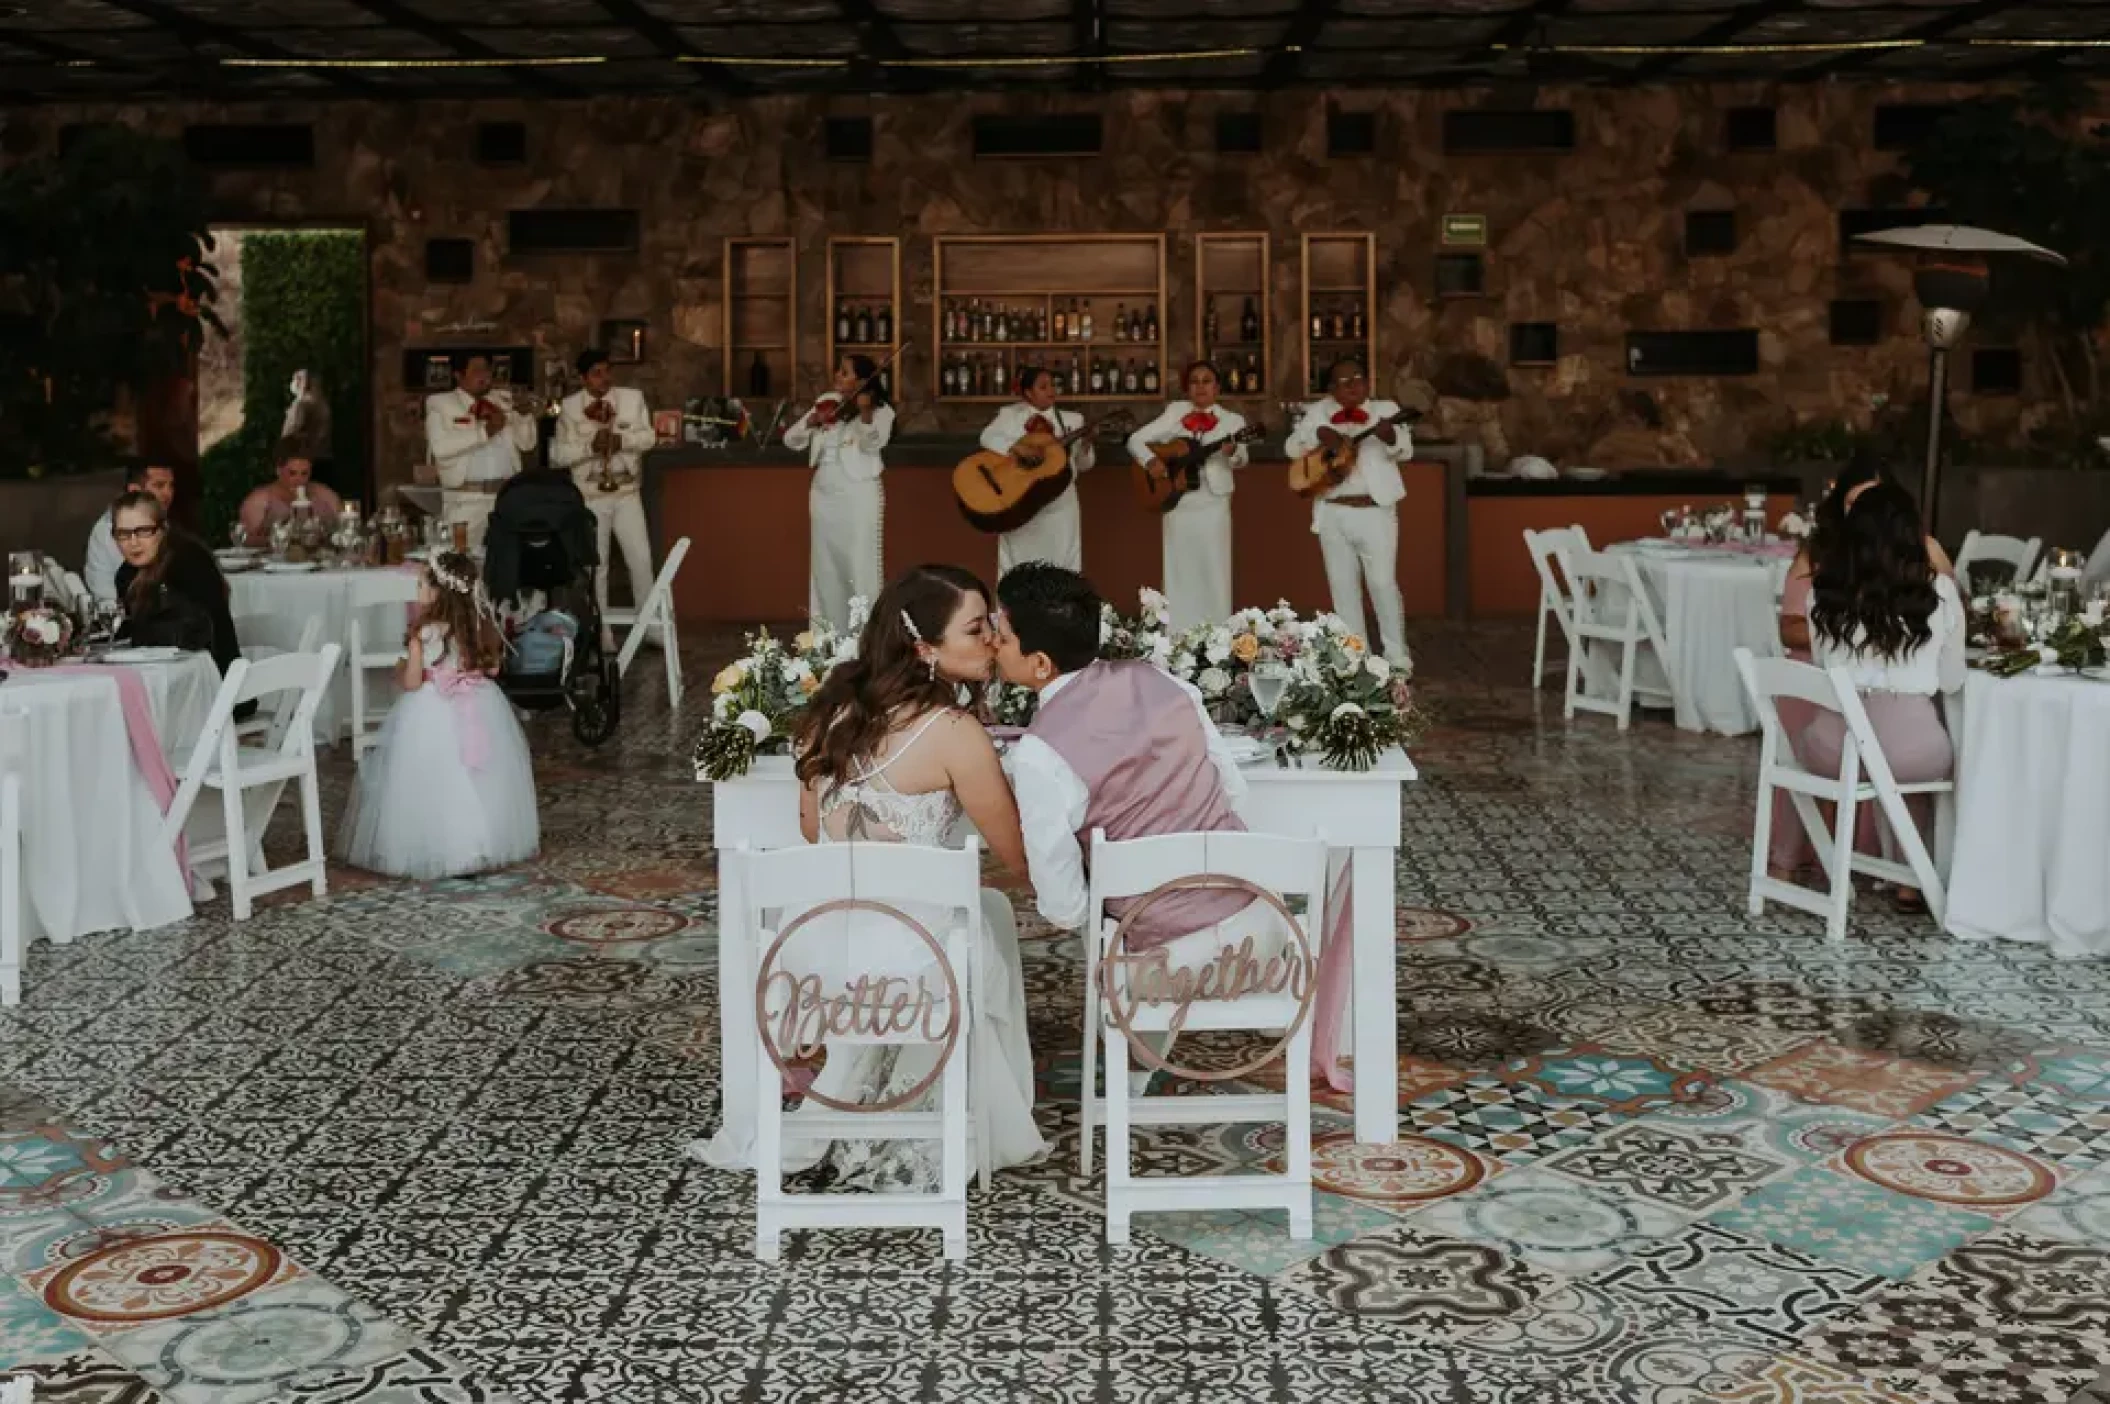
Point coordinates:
pixel 1353 643
pixel 804 642
pixel 1245 648
pixel 730 677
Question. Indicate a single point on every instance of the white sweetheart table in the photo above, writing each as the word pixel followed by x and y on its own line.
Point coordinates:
pixel 1358 814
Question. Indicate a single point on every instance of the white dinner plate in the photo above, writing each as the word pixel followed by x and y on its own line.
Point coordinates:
pixel 290 567
pixel 1245 750
pixel 235 565
pixel 158 653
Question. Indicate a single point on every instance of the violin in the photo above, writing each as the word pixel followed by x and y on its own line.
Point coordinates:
pixel 826 412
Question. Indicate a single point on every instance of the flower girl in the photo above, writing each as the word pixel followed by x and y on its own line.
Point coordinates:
pixel 448 788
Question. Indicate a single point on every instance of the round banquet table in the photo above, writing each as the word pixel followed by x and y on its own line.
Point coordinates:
pixel 2032 851
pixel 93 858
pixel 271 609
pixel 1710 601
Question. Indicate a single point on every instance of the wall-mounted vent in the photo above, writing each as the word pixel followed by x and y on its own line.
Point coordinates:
pixel 1996 370
pixel 1532 129
pixel 1901 126
pixel 847 138
pixel 1238 133
pixel 1710 233
pixel 1692 352
pixel 1460 275
pixel 1534 343
pixel 501 143
pixel 256 146
pixel 1751 129
pixel 1857 321
pixel 1350 133
pixel 450 261
pixel 571 231
pixel 1053 134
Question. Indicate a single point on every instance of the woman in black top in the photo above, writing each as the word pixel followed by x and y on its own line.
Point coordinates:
pixel 172 589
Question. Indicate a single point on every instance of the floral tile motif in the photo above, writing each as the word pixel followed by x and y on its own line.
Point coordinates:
pixel 1401 1176
pixel 2037 1119
pixel 1794 1379
pixel 1874 1083
pixel 1947 1041
pixel 1625 1084
pixel 1552 1222
pixel 1930 1165
pixel 87 1377
pixel 1439 1288
pixel 1473 1039
pixel 1685 1039
pixel 1853 1223
pixel 2081 1077
pixel 2031 1282
pixel 1727 1277
pixel 2017 1364
pixel 1770 1122
pixel 139 1281
pixel 1689 1171
pixel 1785 1006
pixel 1259 1242
pixel 1517 1123
pixel 1585 1343
pixel 32 1331
pixel 2075 1212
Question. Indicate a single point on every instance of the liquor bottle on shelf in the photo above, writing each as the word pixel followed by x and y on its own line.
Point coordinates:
pixel 1089 329
pixel 1098 377
pixel 1120 322
pixel 1062 323
pixel 1150 377
pixel 1249 324
pixel 1318 325
pixel 947 324
pixel 842 321
pixel 1355 320
pixel 1252 374
pixel 758 378
pixel 1076 374
pixel 1131 379
pixel 1209 327
pixel 864 325
pixel 1150 326
pixel 883 324
pixel 1340 324
pixel 946 380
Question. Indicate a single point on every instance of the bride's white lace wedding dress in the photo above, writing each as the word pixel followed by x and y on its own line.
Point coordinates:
pixel 868 809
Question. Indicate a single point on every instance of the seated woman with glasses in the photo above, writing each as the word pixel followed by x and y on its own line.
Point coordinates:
pixel 172 590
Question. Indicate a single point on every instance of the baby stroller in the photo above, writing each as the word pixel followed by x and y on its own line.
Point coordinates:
pixel 539 560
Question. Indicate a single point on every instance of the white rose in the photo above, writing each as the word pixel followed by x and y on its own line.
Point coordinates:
pixel 1349 665
pixel 791 672
pixel 1219 647
pixel 1161 651
pixel 1106 630
pixel 1182 663
pixel 1346 709
pixel 757 723
pixel 860 611
pixel 722 707
pixel 1154 603
pixel 2047 654
pixel 1214 682
pixel 1377 667
pixel 1296 721
pixel 44 629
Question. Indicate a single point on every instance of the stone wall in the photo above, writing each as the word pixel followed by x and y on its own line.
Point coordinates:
pixel 1591 239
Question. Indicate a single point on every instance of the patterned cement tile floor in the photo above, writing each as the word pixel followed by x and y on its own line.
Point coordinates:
pixel 422 1143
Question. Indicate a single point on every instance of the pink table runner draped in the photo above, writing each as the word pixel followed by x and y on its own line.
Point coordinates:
pixel 147 756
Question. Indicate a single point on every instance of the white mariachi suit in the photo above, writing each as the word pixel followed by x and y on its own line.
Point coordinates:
pixel 466 455
pixel 1198 529
pixel 619 515
pixel 846 505
pixel 1360 544
pixel 1056 535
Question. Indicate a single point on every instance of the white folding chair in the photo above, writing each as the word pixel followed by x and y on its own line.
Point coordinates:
pixel 251 780
pixel 1293 869
pixel 14 756
pixel 77 589
pixel 1994 549
pixel 1556 591
pixel 656 611
pixel 897 875
pixel 1594 577
pixel 363 655
pixel 1864 775
pixel 2098 568
pixel 270 723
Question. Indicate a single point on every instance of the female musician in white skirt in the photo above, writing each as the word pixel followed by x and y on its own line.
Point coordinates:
pixel 847 504
pixel 1198 529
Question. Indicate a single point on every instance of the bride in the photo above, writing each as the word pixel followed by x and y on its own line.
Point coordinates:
pixel 887 755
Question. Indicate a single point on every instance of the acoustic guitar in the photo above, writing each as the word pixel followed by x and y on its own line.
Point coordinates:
pixel 1324 469
pixel 1175 467
pixel 1001 492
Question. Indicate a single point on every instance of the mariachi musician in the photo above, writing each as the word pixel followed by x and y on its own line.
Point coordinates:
pixel 846 504
pixel 1357 519
pixel 475 435
pixel 1056 533
pixel 1198 528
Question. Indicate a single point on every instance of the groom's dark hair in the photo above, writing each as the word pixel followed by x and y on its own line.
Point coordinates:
pixel 1053 611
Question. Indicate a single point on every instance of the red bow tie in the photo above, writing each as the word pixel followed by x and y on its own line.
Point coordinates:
pixel 1350 416
pixel 1198 423
pixel 1039 425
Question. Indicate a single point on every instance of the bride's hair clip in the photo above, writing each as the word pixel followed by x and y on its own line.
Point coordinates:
pixel 910 625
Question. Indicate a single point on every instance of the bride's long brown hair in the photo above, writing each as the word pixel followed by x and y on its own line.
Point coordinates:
pixel 848 719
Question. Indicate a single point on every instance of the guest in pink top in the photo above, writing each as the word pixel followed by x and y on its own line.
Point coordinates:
pixel 272 503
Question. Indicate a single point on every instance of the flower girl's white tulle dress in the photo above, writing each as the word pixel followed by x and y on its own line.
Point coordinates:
pixel 448 788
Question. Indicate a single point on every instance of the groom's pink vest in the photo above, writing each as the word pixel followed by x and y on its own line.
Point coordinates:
pixel 1133 736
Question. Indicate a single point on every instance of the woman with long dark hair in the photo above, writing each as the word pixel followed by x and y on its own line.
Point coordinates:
pixel 886 754
pixel 1880 608
pixel 171 589
pixel 843 442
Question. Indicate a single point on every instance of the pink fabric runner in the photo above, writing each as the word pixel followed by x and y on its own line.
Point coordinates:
pixel 1336 979
pixel 459 688
pixel 147 756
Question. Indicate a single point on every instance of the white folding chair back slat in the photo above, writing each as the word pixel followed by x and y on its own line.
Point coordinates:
pixel 252 779
pixel 1595 577
pixel 269 722
pixel 1295 871
pixel 657 611
pixel 921 879
pixel 14 757
pixel 372 643
pixel 1556 590
pixel 1991 547
pixel 1864 776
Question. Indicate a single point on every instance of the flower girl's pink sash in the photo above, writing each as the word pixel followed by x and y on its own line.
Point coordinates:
pixel 459 688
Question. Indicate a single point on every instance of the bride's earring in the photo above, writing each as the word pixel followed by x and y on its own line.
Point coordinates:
pixel 933 661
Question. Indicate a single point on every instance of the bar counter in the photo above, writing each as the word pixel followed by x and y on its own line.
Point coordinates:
pixel 1460 540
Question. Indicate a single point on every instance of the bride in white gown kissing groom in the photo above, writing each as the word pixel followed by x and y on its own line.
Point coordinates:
pixel 886 753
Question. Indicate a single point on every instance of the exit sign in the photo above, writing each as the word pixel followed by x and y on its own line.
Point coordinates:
pixel 1465 230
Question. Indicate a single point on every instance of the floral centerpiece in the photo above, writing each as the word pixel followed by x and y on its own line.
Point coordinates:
pixel 2083 641
pixel 38 635
pixel 756 699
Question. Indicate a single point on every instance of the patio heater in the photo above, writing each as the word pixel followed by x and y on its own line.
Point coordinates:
pixel 1952 281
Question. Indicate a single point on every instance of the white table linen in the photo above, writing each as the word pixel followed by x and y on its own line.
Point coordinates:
pixel 1710 603
pixel 2032 853
pixel 272 609
pixel 1357 813
pixel 93 856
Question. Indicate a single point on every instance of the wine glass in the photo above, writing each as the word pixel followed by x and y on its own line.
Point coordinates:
pixel 1269 680
pixel 237 535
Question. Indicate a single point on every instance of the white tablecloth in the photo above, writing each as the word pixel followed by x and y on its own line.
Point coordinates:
pixel 2032 859
pixel 1710 603
pixel 272 610
pixel 92 850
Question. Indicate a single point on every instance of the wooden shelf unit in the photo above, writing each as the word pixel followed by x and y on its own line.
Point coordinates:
pixel 865 275
pixel 1034 277
pixel 1231 273
pixel 761 308
pixel 1340 277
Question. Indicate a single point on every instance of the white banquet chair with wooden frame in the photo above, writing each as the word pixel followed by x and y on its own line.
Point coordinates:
pixel 1596 577
pixel 1556 589
pixel 14 759
pixel 269 724
pixel 252 780
pixel 890 874
pixel 1864 776
pixel 1993 548
pixel 1295 871
pixel 656 611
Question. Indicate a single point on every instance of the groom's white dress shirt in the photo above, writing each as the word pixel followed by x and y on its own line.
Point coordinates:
pixel 1052 800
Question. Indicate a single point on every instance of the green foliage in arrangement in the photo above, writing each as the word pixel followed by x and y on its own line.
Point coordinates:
pixel 303 308
pixel 104 284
